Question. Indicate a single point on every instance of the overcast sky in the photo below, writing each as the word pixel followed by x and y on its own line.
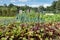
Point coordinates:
pixel 32 3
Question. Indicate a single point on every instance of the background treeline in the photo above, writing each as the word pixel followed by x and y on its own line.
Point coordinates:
pixel 12 10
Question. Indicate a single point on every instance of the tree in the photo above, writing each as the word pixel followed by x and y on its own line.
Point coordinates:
pixel 10 5
pixel 41 9
pixel 53 6
pixel 58 5
pixel 5 5
pixel 13 11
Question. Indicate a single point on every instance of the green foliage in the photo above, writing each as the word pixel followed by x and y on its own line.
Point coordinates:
pixel 0 33
pixel 13 10
pixel 10 10
pixel 50 18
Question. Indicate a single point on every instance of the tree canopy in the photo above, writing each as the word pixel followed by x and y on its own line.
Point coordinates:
pixel 12 10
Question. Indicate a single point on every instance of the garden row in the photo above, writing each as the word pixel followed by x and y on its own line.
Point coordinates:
pixel 33 31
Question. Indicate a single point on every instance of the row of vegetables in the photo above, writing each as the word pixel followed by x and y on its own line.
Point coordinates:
pixel 35 17
pixel 30 31
pixel 50 18
pixel 30 17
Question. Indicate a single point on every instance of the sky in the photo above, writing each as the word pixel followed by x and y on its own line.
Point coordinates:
pixel 31 3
